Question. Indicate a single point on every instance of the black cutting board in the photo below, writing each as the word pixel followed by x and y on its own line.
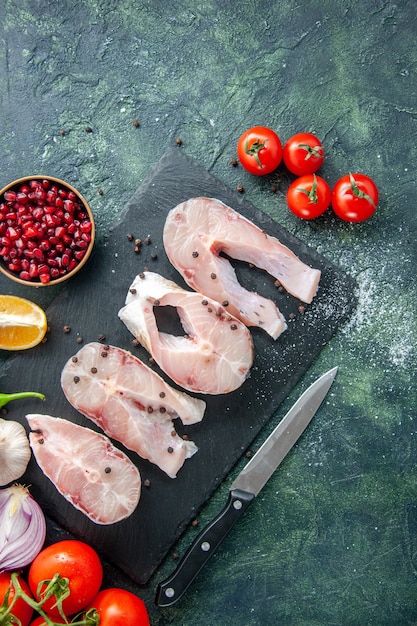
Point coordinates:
pixel 89 305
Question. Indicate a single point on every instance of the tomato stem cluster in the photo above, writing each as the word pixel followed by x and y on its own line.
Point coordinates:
pixel 57 587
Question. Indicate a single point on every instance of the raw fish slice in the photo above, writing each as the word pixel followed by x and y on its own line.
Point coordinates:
pixel 131 403
pixel 86 468
pixel 214 356
pixel 195 234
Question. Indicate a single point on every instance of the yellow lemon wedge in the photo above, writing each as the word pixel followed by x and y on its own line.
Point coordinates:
pixel 22 323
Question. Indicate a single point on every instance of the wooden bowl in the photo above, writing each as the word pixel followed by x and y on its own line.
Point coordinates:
pixel 47 231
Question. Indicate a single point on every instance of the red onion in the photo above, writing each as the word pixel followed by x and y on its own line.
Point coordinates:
pixel 22 528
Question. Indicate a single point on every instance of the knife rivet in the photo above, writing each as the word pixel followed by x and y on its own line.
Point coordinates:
pixel 205 546
pixel 237 504
pixel 169 592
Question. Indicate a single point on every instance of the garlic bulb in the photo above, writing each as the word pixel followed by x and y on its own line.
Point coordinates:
pixel 14 451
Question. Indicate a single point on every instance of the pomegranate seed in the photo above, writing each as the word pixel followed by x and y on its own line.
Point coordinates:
pixel 51 197
pixel 25 264
pixel 38 213
pixel 69 205
pixel 16 266
pixel 33 270
pixel 33 184
pixel 60 232
pixel 65 259
pixel 59 203
pixel 54 272
pixel 38 254
pixel 45 245
pixel 40 196
pixel 60 247
pixel 10 196
pixel 86 226
pixel 24 188
pixel 63 193
pixel 30 231
pixel 72 265
pixel 45 278
pixel 24 275
pixel 12 233
pixel 46 184
pixel 79 254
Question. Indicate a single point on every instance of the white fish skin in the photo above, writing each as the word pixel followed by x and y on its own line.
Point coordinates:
pixel 131 403
pixel 86 468
pixel 198 230
pixel 217 352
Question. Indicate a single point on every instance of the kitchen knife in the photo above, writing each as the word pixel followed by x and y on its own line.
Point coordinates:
pixel 245 488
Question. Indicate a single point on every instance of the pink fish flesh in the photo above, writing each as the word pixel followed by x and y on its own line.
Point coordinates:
pixel 198 230
pixel 216 352
pixel 131 403
pixel 86 468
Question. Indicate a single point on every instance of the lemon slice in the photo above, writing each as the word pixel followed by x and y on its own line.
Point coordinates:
pixel 22 323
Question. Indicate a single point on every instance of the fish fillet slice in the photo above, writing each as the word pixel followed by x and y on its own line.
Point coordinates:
pixel 131 403
pixel 198 230
pixel 86 468
pixel 216 352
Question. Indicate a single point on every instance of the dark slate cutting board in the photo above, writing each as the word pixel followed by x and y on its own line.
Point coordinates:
pixel 89 305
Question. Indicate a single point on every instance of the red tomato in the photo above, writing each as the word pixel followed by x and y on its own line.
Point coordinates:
pixel 118 607
pixel 259 150
pixel 303 154
pixel 21 610
pixel 308 196
pixel 71 559
pixel 355 197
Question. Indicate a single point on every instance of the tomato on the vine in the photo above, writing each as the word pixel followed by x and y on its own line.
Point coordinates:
pixel 21 610
pixel 259 150
pixel 303 154
pixel 71 559
pixel 308 196
pixel 355 197
pixel 119 607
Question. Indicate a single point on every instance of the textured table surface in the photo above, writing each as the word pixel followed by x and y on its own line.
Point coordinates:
pixel 332 538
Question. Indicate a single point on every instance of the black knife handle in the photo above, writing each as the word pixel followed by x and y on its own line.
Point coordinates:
pixel 203 546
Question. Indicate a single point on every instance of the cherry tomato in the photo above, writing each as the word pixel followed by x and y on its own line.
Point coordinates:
pixel 308 196
pixel 355 197
pixel 259 150
pixel 21 610
pixel 118 607
pixel 71 559
pixel 303 154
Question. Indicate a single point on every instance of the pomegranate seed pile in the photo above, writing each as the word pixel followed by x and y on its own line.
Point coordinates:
pixel 45 231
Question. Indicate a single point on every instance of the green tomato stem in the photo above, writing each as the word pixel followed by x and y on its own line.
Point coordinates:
pixel 254 150
pixel 5 398
pixel 358 192
pixel 312 194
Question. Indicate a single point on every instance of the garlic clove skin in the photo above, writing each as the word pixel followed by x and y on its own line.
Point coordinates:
pixel 14 451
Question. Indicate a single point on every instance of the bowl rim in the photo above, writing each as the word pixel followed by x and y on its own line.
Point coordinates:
pixel 87 255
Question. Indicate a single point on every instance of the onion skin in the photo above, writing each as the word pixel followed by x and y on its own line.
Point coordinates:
pixel 22 528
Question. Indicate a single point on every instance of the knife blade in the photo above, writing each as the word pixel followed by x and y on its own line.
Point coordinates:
pixel 245 488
